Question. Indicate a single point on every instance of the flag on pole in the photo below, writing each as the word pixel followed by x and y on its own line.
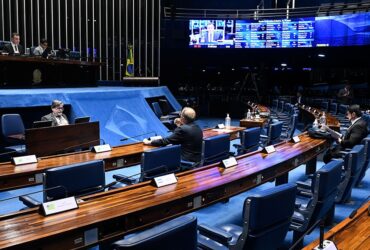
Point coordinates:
pixel 129 62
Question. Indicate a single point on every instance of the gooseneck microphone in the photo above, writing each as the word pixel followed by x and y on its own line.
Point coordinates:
pixel 135 136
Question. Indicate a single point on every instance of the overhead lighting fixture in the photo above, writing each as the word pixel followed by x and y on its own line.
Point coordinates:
pixel 284 65
pixel 321 55
pixel 203 70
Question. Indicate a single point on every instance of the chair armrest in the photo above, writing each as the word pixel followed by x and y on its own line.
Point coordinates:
pixel 187 165
pixel 303 185
pixel 215 234
pixel 29 201
pixel 297 205
pixel 264 136
pixel 238 146
pixel 124 179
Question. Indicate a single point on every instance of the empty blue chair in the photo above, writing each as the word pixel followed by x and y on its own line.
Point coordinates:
pixel 353 163
pixel 333 108
pixel 273 134
pixel 366 143
pixel 11 125
pixel 72 180
pixel 215 149
pixel 324 106
pixel 179 234
pixel 266 219
pixel 249 140
pixel 155 162
pixel 288 131
pixel 322 193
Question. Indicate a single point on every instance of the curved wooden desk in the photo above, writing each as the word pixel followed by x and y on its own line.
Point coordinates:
pixel 350 233
pixel 314 113
pixel 256 122
pixel 232 131
pixel 109 215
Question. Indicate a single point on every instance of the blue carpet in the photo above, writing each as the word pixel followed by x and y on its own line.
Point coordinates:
pixel 219 213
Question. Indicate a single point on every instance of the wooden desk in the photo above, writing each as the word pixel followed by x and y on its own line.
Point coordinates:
pixel 250 123
pixel 232 131
pixel 61 139
pixel 112 214
pixel 31 174
pixel 350 233
pixel 312 113
pixel 54 71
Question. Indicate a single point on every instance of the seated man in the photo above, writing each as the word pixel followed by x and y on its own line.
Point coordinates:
pixel 39 50
pixel 188 134
pixel 354 135
pixel 57 117
pixel 14 48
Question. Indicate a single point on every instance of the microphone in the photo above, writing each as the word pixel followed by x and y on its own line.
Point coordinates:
pixel 132 137
pixel 302 237
pixel 354 212
pixel 122 177
pixel 43 190
pixel 79 145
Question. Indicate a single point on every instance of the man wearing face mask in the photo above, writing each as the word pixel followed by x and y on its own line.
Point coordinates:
pixel 354 135
pixel 57 117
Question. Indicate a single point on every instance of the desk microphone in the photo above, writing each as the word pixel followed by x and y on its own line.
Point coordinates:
pixel 122 177
pixel 43 190
pixel 79 145
pixel 354 212
pixel 132 137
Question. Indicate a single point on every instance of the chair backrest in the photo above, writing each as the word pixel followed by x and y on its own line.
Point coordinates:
pixel 333 108
pixel 11 124
pixel 292 125
pixel 179 234
pixel 267 217
pixel 366 143
pixel 77 179
pixel 250 139
pixel 275 104
pixel 274 132
pixel 215 149
pixel 160 161
pixel 366 117
pixel 157 109
pixel 342 109
pixel 324 188
pixel 325 106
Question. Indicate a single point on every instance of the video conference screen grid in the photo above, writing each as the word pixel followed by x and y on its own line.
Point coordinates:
pixel 342 30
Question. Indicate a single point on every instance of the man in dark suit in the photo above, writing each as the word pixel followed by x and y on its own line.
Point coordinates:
pixel 56 117
pixel 14 48
pixel 345 95
pixel 354 135
pixel 188 134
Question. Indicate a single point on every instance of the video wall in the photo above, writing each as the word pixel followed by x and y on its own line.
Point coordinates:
pixel 342 30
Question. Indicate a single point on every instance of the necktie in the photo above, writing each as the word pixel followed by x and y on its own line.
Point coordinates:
pixel 16 48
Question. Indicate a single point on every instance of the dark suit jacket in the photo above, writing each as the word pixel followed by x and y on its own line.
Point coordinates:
pixel 9 49
pixel 51 117
pixel 355 134
pixel 190 137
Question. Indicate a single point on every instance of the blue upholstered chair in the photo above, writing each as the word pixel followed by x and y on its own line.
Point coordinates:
pixel 155 162
pixel 333 108
pixel 321 193
pixel 158 112
pixel 354 160
pixel 12 124
pixel 266 219
pixel 249 140
pixel 273 134
pixel 215 149
pixel 288 131
pixel 72 180
pixel 324 106
pixel 168 109
pixel 366 143
pixel 179 234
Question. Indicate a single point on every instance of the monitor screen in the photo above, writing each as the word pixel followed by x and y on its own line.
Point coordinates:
pixel 342 30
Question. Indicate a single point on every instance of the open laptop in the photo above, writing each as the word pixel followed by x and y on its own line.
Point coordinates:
pixel 82 119
pixel 41 124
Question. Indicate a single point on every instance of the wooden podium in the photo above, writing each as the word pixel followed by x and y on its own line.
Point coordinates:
pixel 61 139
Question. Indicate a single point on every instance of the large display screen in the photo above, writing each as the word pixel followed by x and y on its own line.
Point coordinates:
pixel 343 30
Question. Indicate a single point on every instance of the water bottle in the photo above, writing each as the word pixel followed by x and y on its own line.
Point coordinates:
pixel 227 121
pixel 315 124
pixel 323 119
pixel 249 114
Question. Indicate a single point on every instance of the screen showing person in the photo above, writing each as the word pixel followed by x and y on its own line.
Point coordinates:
pixel 56 116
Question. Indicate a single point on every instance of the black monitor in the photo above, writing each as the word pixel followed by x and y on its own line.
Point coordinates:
pixel 82 119
pixel 41 124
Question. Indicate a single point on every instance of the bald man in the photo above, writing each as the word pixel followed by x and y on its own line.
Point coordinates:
pixel 188 134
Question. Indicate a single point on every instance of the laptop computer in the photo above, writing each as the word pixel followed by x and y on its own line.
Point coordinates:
pixel 41 124
pixel 82 119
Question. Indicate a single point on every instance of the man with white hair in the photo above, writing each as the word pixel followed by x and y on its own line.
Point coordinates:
pixel 188 134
